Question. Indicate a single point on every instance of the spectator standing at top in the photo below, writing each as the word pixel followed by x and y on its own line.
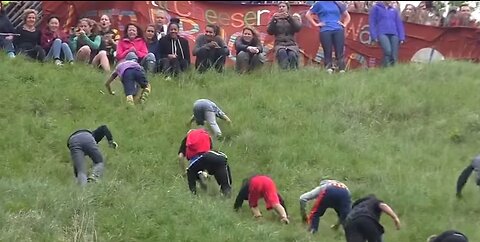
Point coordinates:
pixel 28 39
pixel 6 27
pixel 55 41
pixel 210 50
pixel 284 26
pixel 332 30
pixel 249 50
pixel 386 28
pixel 133 46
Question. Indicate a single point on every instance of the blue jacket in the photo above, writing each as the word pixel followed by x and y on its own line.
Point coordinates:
pixel 385 20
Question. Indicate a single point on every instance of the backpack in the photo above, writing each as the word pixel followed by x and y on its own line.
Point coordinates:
pixel 198 142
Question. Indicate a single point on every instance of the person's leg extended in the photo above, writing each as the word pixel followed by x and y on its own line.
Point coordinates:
pixel 79 166
pixel 395 44
pixel 318 210
pixel 339 45
pixel 384 42
pixel 129 85
pixel 98 164
pixel 217 166
pixel 292 59
pixel 282 58
pixel 141 79
pixel 326 39
pixel 212 121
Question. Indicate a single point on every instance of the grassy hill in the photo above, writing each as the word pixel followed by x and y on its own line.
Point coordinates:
pixel 403 133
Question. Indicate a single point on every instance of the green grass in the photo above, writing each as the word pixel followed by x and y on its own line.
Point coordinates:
pixel 403 133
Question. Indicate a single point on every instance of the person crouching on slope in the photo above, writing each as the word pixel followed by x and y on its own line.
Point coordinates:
pixel 330 194
pixel 259 186
pixel 462 179
pixel 131 74
pixel 363 222
pixel 85 142
pixel 448 236
pixel 207 110
pixel 196 147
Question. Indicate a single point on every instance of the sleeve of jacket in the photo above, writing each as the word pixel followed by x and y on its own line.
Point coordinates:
pixel 162 48
pixel 200 43
pixel 272 27
pixel 186 50
pixel 45 40
pixel 121 50
pixel 239 45
pixel 221 43
pixel 242 195
pixel 400 27
pixel 296 25
pixel 142 48
pixel 259 46
pixel 372 24
pixel 463 178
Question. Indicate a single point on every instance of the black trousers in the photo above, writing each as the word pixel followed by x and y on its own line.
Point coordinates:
pixel 363 229
pixel 216 164
pixel 207 58
pixel 173 67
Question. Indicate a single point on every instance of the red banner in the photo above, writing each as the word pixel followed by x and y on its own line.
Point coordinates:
pixel 423 43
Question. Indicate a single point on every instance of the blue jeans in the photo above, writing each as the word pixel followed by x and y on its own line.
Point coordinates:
pixel 332 197
pixel 390 44
pixel 6 44
pixel 149 62
pixel 131 78
pixel 56 48
pixel 287 59
pixel 333 39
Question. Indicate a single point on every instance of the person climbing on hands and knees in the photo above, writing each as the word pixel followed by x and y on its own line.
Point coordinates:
pixel 85 142
pixel 131 74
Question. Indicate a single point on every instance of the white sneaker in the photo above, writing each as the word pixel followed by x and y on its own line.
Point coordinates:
pixel 11 55
pixel 341 71
pixel 58 63
pixel 330 70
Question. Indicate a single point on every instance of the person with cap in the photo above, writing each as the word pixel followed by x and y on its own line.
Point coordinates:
pixel 131 74
pixel 462 179
pixel 363 222
pixel 259 186
pixel 207 110
pixel 196 147
pixel 85 142
pixel 448 236
pixel 330 194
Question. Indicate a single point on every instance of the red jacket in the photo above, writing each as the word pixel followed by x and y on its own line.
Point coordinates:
pixel 124 46
pixel 47 37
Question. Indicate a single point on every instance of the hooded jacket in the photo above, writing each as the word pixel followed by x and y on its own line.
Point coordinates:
pixel 178 46
pixel 125 44
pixel 385 20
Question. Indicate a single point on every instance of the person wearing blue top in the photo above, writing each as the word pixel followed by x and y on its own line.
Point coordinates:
pixel 386 28
pixel 332 33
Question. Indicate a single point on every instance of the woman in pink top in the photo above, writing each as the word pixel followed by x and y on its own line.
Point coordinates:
pixel 133 46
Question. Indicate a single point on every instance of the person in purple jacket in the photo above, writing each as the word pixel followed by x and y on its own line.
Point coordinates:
pixel 386 28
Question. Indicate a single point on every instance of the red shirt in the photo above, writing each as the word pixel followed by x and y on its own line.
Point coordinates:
pixel 262 186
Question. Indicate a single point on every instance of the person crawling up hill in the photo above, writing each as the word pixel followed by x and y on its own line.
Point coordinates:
pixel 132 75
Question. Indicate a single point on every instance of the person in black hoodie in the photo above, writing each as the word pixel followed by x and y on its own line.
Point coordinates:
pixel 174 51
pixel 6 27
pixel 363 222
pixel 85 142
pixel 448 236
pixel 28 40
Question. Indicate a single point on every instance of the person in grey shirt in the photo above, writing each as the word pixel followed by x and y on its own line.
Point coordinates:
pixel 85 142
pixel 330 194
pixel 207 110
pixel 210 50
pixel 462 179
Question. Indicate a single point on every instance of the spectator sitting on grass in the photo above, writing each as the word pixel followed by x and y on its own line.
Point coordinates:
pixel 55 42
pixel 133 46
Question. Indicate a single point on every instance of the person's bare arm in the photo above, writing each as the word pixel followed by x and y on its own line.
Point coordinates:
pixel 109 81
pixel 389 211
pixel 346 19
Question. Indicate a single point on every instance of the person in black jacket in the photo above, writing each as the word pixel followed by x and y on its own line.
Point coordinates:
pixel 28 39
pixel 448 236
pixel 85 142
pixel 249 51
pixel 174 51
pixel 363 222
pixel 6 27
pixel 462 179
